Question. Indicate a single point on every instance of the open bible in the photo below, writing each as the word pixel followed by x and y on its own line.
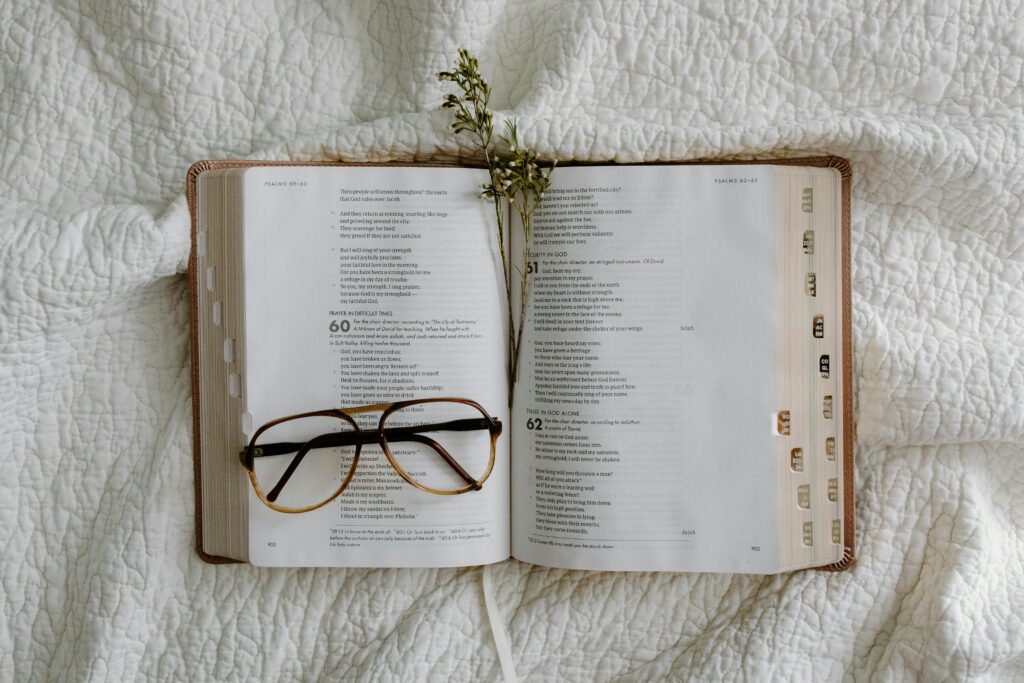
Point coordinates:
pixel 684 400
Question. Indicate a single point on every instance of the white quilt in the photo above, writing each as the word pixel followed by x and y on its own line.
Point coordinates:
pixel 104 105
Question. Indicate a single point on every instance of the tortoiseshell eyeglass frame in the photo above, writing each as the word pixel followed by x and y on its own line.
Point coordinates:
pixel 358 437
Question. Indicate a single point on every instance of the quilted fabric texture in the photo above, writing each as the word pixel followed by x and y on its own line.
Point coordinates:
pixel 104 105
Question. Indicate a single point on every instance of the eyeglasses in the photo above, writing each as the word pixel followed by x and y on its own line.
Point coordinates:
pixel 439 445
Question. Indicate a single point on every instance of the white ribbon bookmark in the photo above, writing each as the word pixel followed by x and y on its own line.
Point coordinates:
pixel 498 631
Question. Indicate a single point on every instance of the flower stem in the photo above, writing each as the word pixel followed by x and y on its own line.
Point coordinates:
pixel 516 182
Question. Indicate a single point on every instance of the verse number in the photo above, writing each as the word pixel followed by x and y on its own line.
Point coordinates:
pixel 535 423
pixel 532 267
pixel 340 326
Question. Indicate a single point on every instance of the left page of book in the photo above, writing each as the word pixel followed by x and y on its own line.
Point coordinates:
pixel 366 285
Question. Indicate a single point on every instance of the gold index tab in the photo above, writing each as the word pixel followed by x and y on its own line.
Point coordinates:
pixel 803 496
pixel 818 327
pixel 796 460
pixel 782 422
pixel 808 242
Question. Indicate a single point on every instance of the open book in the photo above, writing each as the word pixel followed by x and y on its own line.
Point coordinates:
pixel 684 402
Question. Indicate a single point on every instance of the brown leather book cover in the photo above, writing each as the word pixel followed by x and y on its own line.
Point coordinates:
pixel 849 422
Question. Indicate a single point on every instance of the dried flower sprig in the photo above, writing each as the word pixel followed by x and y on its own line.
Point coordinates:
pixel 518 181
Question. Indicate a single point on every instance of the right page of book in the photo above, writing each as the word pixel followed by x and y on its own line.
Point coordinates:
pixel 647 418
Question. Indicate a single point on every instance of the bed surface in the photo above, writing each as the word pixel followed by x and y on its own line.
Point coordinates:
pixel 104 107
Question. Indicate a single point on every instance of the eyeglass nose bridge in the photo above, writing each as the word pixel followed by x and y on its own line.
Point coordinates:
pixel 359 410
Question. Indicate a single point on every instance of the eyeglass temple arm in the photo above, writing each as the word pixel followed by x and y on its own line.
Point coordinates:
pixel 361 438
pixel 466 425
pixel 445 455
